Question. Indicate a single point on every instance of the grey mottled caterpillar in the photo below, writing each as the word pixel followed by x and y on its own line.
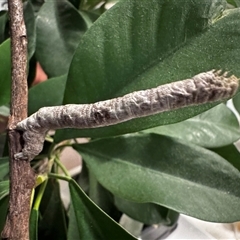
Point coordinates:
pixel 205 87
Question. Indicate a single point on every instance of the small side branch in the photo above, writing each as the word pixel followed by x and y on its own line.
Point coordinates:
pixel 22 178
pixel 205 87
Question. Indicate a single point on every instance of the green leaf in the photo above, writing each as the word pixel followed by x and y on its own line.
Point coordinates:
pixel 147 213
pixel 103 198
pixel 142 44
pixel 93 223
pixel 235 3
pixel 52 90
pixel 134 31
pixel 5 73
pixel 83 178
pixel 214 128
pixel 3 211
pixel 53 221
pixel 158 169
pixel 59 29
pixel 4 167
pixel 4 189
pixel 230 153
pixel 34 225
pixel 29 19
pixel 100 195
pixel 88 17
pixel 3 22
pixel 72 225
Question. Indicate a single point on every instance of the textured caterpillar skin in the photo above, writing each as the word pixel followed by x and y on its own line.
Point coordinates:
pixel 205 87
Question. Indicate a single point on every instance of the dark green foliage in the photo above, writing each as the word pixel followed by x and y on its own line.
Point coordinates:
pixel 182 161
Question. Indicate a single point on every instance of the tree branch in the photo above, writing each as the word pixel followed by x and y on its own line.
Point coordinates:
pixel 205 87
pixel 22 178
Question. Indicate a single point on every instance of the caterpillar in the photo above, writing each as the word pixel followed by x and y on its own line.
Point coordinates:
pixel 205 87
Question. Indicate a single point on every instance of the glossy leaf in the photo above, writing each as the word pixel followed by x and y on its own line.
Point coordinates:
pixel 158 169
pixel 214 128
pixel 34 225
pixel 4 167
pixel 48 93
pixel 142 44
pixel 147 213
pixel 138 35
pixel 59 30
pixel 4 189
pixel 230 153
pixel 93 223
pixel 5 73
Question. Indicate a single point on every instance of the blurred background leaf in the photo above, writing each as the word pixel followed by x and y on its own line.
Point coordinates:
pixel 230 153
pixel 59 29
pixel 4 168
pixel 5 73
pixel 47 93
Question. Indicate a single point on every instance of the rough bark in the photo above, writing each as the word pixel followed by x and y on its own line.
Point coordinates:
pixel 22 178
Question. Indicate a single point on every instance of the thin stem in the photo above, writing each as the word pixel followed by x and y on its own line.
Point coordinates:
pixel 49 139
pixel 65 171
pixel 61 177
pixel 40 194
pixel 43 186
pixel 62 146
pixel 75 141
pixel 50 151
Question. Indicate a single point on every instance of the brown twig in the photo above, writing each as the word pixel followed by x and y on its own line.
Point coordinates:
pixel 22 178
